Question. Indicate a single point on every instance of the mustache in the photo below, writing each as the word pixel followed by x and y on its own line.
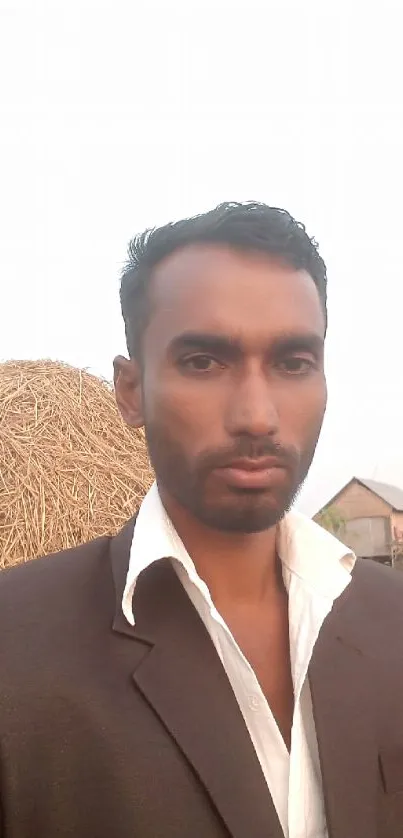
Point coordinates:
pixel 248 448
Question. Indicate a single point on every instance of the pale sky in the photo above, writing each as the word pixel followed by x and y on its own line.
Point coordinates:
pixel 119 115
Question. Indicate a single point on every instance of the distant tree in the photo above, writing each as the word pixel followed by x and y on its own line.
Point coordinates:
pixel 331 520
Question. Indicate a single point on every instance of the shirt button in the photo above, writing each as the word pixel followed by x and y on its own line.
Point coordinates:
pixel 254 702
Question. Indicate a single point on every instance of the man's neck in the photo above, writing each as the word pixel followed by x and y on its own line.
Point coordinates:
pixel 236 567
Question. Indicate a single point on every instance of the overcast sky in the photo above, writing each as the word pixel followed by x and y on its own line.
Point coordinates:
pixel 118 115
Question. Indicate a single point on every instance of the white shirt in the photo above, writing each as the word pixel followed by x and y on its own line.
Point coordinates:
pixel 316 569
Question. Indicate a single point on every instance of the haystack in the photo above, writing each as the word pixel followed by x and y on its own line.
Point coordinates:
pixel 70 469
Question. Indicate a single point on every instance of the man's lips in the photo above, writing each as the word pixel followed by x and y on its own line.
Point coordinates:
pixel 249 473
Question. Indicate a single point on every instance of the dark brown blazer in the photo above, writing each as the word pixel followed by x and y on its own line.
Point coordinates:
pixel 108 731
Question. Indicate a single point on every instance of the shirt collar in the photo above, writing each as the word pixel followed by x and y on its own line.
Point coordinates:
pixel 315 556
pixel 306 550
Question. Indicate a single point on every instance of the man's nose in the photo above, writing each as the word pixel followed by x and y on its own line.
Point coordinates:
pixel 251 408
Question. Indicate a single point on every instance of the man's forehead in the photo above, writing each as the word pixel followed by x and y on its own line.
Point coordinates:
pixel 219 289
pixel 205 261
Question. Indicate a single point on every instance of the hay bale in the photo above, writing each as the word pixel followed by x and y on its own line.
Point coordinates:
pixel 70 469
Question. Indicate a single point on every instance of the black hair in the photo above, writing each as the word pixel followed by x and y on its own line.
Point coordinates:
pixel 244 226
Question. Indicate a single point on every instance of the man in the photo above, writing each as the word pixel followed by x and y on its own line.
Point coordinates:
pixel 223 667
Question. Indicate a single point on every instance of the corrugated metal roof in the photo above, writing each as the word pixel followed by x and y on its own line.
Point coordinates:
pixel 391 494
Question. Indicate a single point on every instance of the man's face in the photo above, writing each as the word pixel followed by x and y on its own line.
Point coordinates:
pixel 231 391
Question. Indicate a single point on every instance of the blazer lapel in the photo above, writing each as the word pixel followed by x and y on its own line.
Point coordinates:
pixel 182 678
pixel 342 689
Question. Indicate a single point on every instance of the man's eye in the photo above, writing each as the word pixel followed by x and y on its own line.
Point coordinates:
pixel 200 363
pixel 297 366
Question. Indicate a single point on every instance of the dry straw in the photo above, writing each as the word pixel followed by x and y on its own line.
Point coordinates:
pixel 70 469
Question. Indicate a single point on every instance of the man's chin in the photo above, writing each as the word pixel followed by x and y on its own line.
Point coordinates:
pixel 244 518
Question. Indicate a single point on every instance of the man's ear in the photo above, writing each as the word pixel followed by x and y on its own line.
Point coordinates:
pixel 127 379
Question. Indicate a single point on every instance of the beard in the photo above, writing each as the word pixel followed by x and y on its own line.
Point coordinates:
pixel 192 484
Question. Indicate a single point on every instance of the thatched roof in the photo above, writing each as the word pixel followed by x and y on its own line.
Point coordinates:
pixel 70 469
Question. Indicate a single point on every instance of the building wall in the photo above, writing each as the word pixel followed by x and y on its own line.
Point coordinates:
pixel 367 528
pixel 356 501
pixel 369 537
pixel 397 525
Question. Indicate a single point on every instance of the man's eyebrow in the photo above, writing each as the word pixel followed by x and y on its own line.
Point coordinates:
pixel 303 342
pixel 210 342
pixel 205 342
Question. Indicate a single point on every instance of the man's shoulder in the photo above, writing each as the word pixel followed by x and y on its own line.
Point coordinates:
pixel 37 583
pixel 379 581
pixel 380 591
